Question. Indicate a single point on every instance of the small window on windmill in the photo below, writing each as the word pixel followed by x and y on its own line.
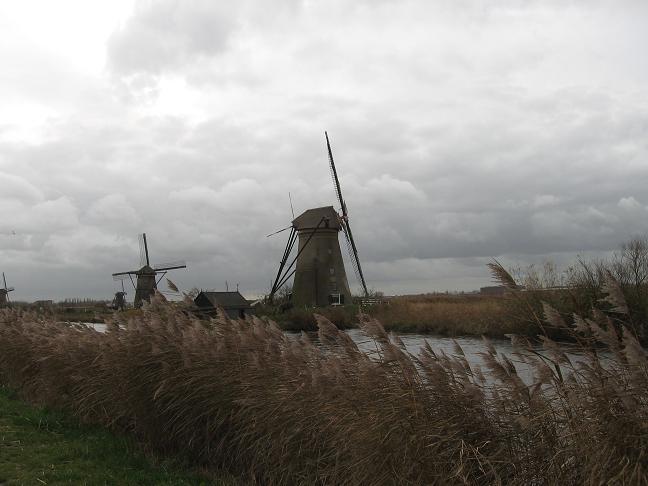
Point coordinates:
pixel 332 271
pixel 336 299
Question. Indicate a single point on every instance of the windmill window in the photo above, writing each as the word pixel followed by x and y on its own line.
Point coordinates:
pixel 332 270
pixel 336 299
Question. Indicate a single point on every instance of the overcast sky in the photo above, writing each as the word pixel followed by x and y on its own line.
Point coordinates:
pixel 462 130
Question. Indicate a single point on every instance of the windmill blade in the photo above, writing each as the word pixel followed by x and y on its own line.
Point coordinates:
pixel 123 275
pixel 170 265
pixel 4 280
pixel 336 181
pixel 353 254
pixel 292 210
pixel 10 289
pixel 277 232
pixel 351 246
pixel 144 253
pixel 166 269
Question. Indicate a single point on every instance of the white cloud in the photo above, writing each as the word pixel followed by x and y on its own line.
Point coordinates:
pixel 629 203
pixel 545 200
pixel 163 34
pixel 112 209
pixel 18 189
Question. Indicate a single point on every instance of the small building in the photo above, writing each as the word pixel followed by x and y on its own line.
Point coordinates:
pixel 44 303
pixel 235 305
pixel 497 290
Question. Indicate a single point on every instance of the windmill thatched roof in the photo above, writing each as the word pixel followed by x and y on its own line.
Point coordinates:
pixel 311 217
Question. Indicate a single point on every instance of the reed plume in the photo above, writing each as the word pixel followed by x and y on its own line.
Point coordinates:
pixel 243 396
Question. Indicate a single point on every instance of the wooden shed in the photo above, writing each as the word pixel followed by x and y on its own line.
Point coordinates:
pixel 236 306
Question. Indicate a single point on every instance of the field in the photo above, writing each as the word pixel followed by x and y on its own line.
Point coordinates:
pixel 245 398
pixel 449 315
pixel 440 314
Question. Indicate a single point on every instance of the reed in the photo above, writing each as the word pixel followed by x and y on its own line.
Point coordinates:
pixel 273 409
pixel 449 315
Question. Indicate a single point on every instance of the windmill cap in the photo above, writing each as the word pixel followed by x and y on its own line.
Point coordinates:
pixel 310 218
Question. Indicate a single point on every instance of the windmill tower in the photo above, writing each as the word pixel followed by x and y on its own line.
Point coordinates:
pixel 4 292
pixel 320 277
pixel 146 278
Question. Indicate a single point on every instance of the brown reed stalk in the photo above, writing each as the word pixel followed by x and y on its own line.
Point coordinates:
pixel 276 409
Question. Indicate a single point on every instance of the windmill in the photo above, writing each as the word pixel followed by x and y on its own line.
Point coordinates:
pixel 119 301
pixel 320 277
pixel 4 292
pixel 147 276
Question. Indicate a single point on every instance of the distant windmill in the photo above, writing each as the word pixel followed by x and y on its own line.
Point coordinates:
pixel 320 278
pixel 147 276
pixel 4 292
pixel 119 301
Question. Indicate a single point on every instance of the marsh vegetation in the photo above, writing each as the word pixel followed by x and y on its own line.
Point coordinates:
pixel 244 397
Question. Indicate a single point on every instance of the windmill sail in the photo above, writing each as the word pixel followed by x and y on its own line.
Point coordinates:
pixel 279 231
pixel 160 267
pixel 346 227
pixel 143 247
pixel 7 289
pixel 4 292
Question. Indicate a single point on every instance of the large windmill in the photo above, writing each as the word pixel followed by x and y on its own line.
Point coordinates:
pixel 4 292
pixel 146 278
pixel 320 278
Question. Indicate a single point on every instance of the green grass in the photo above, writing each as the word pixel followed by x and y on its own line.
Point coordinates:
pixel 303 319
pixel 40 446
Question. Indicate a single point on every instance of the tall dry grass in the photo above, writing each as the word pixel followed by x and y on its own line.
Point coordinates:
pixel 447 315
pixel 243 396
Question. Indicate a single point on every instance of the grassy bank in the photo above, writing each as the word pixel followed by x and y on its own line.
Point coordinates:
pixel 294 320
pixel 447 315
pixel 39 446
pixel 241 396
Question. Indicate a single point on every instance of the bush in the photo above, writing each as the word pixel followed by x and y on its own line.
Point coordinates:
pixel 581 290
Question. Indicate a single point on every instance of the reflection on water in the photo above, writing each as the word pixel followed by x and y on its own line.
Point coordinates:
pixel 473 348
